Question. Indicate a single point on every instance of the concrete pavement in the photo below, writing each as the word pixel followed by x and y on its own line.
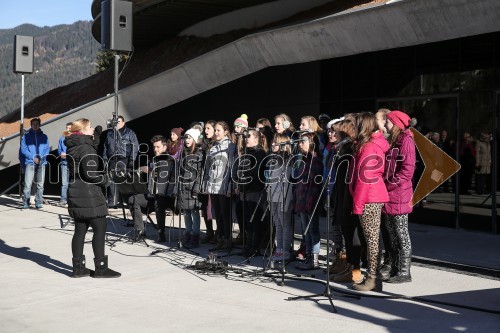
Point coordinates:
pixel 159 293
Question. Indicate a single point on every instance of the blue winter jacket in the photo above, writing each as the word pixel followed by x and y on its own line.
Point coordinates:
pixel 35 144
pixel 61 148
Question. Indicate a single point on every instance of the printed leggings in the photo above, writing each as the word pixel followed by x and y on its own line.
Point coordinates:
pixel 397 227
pixel 370 222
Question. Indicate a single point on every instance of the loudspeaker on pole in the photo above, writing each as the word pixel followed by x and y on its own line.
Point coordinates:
pixel 23 54
pixel 116 25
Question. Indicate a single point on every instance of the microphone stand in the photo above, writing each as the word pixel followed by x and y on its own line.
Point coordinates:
pixel 243 232
pixel 269 207
pixel 327 292
pixel 241 135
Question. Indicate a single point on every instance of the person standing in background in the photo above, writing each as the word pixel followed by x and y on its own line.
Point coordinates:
pixel 119 155
pixel 399 171
pixel 61 150
pixel 34 150
pixel 369 192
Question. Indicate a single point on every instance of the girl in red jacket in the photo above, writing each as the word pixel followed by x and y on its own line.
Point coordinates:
pixel 400 167
pixel 369 192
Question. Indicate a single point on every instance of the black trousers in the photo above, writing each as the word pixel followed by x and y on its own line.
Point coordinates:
pixel 354 243
pixel 137 202
pixel 161 205
pixel 222 209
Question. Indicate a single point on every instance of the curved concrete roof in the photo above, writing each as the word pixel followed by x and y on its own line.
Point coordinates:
pixel 386 26
pixel 157 20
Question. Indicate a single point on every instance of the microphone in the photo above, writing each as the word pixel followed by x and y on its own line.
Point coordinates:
pixel 298 140
pixel 290 142
pixel 301 132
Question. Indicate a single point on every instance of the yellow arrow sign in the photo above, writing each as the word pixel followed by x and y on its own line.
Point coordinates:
pixel 439 166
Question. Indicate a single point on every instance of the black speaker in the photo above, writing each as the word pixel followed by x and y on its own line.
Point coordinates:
pixel 116 25
pixel 23 54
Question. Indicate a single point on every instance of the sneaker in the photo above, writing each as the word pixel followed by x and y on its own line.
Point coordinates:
pixel 25 206
pixel 62 204
pixel 300 254
pixel 38 206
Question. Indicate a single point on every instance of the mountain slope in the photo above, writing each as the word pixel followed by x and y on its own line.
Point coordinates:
pixel 62 54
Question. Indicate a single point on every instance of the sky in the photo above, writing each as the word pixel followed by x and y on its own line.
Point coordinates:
pixel 43 12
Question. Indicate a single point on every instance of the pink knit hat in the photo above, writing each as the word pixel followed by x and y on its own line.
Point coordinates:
pixel 242 121
pixel 398 118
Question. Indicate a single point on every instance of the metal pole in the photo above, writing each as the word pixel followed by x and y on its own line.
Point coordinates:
pixel 117 58
pixel 21 130
pixel 494 166
pixel 457 158
pixel 22 108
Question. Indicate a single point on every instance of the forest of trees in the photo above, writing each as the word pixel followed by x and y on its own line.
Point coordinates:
pixel 62 54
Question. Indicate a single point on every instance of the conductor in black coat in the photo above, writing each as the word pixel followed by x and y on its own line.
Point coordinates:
pixel 86 202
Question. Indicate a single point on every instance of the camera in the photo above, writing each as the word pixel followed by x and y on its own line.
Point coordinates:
pixel 112 123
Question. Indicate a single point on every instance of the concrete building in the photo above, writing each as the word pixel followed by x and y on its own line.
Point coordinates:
pixel 437 60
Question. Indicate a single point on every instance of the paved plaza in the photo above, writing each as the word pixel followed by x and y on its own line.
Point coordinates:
pixel 161 292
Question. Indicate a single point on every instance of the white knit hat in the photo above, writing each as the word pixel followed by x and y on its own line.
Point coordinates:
pixel 194 133
pixel 333 121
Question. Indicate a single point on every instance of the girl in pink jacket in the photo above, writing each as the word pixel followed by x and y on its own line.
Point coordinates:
pixel 369 192
pixel 400 166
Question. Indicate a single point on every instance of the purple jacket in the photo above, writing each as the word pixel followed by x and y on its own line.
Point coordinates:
pixel 308 184
pixel 399 170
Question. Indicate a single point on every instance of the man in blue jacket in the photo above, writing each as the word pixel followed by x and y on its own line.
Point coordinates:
pixel 34 150
pixel 61 150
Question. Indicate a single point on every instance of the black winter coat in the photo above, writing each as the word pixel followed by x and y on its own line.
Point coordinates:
pixel 248 171
pixel 341 198
pixel 188 180
pixel 161 179
pixel 85 197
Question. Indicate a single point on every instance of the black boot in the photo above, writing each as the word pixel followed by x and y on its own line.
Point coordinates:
pixel 209 237
pixel 311 263
pixel 369 283
pixel 249 250
pixel 161 235
pixel 102 270
pixel 195 242
pixel 219 245
pixel 187 239
pixel 161 238
pixel 79 269
pixel 385 268
pixel 403 275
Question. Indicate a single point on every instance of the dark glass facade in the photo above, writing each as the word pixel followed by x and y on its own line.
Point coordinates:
pixel 451 88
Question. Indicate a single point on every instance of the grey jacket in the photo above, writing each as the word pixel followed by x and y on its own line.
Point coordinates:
pixel 278 179
pixel 217 175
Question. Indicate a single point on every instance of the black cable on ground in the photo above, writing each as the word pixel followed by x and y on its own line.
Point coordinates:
pixel 252 274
